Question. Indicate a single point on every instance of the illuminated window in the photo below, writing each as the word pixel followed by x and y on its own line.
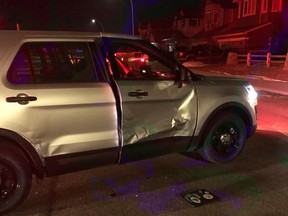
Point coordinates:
pixel 38 63
pixel 264 6
pixel 249 7
pixel 276 5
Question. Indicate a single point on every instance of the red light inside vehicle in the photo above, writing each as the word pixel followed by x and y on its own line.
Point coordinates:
pixel 159 73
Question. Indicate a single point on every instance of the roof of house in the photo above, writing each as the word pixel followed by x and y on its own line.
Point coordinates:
pixel 229 30
pixel 156 24
pixel 187 13
pixel 160 35
pixel 202 35
pixel 224 3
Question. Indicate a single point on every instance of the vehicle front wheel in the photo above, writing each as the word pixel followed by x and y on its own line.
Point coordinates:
pixel 15 177
pixel 224 138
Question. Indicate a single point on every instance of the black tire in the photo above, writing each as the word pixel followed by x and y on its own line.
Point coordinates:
pixel 224 138
pixel 15 176
pixel 191 58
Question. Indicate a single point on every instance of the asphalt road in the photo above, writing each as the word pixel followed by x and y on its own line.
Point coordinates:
pixel 254 184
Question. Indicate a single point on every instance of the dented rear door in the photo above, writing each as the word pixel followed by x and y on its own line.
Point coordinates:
pixel 59 103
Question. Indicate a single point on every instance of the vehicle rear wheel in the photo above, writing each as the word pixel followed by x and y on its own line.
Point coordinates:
pixel 224 139
pixel 191 59
pixel 15 177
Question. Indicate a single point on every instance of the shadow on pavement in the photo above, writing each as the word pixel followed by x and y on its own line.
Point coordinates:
pixel 165 178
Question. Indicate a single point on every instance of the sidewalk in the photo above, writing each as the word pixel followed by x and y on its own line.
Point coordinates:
pixel 273 72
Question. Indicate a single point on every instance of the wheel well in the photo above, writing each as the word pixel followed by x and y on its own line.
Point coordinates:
pixel 242 112
pixel 28 150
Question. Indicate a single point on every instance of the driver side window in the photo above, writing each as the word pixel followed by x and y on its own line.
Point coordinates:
pixel 136 64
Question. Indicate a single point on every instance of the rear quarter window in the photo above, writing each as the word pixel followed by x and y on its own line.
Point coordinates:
pixel 52 62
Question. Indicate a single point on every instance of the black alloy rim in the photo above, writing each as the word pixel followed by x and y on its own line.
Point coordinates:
pixel 225 140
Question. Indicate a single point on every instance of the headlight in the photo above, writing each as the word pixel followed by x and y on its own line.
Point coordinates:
pixel 252 94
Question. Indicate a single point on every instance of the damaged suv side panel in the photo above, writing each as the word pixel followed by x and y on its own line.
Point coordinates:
pixel 73 101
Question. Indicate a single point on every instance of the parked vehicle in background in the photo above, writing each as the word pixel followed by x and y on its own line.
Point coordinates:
pixel 71 101
pixel 205 53
pixel 130 57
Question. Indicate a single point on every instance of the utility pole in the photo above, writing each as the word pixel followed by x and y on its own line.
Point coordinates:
pixel 132 16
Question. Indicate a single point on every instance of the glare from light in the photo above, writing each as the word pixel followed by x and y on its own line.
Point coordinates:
pixel 252 94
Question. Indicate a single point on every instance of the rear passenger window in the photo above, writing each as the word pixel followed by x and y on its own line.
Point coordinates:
pixel 38 63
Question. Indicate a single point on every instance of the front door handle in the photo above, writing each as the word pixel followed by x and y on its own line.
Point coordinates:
pixel 21 98
pixel 138 93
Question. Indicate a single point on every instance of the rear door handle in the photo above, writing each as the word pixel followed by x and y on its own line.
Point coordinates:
pixel 137 94
pixel 21 98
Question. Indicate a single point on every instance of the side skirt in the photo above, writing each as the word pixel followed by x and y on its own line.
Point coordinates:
pixel 154 148
pixel 61 164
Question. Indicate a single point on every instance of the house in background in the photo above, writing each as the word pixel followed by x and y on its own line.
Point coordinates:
pixel 188 22
pixel 260 25
pixel 161 33
pixel 238 25
pixel 191 27
pixel 219 13
pixel 146 29
pixel 175 33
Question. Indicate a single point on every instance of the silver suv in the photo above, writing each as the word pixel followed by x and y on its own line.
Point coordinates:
pixel 71 101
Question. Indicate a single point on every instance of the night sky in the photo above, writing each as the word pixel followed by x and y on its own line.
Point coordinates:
pixel 114 15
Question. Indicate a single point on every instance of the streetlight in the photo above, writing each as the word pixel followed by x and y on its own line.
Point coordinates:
pixel 132 15
pixel 95 20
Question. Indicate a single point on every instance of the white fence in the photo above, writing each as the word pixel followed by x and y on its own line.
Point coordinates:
pixel 249 59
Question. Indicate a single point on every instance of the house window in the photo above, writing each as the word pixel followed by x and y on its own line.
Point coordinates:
pixel 264 6
pixel 193 22
pixel 183 22
pixel 208 20
pixel 240 10
pixel 216 16
pixel 249 7
pixel 229 16
pixel 276 5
